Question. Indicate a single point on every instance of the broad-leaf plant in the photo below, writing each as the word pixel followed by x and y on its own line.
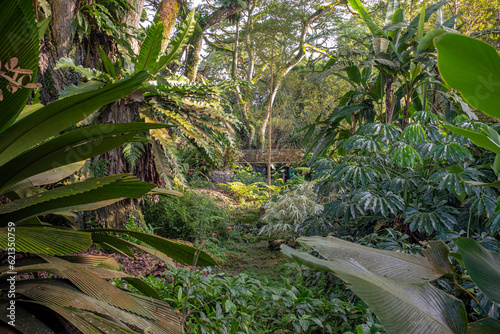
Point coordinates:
pixel 196 110
pixel 400 288
pixel 40 146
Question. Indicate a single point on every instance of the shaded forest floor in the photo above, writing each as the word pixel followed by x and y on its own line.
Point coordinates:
pixel 246 252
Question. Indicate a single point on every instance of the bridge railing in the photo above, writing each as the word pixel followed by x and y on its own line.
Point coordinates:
pixel 277 156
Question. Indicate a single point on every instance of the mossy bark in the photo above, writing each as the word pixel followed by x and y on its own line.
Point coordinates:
pixel 167 13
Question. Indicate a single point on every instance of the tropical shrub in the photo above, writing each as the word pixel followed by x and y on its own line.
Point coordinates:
pixel 411 179
pixel 392 74
pixel 254 193
pixel 397 286
pixel 246 175
pixel 187 218
pixel 286 213
pixel 409 173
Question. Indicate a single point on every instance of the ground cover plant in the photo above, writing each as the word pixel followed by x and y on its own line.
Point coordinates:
pixel 216 303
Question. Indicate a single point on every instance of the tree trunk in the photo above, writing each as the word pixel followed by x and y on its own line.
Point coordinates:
pixel 122 111
pixel 55 46
pixel 243 101
pixel 267 116
pixel 116 215
pixel 196 40
pixel 194 52
pixel 247 101
pixel 389 103
pixel 167 13
pixel 300 54
pixel 404 121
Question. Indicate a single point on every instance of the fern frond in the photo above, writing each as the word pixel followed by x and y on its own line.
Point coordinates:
pixel 133 151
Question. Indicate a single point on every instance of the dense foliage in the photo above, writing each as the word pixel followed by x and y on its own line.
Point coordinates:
pixel 215 303
pixel 397 113
pixel 189 217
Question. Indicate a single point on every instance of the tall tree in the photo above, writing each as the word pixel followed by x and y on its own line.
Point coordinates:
pixel 293 59
pixel 247 46
pixel 228 8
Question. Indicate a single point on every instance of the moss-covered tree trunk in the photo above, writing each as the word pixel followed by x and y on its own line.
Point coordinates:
pixel 60 42
pixel 124 111
pixel 167 13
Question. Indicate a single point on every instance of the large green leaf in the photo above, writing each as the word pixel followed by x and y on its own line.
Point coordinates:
pixel 77 194
pixel 113 243
pixel 48 177
pixel 176 46
pixel 428 13
pixel 67 62
pixel 392 6
pixel 485 326
pixel 74 146
pixel 150 48
pixel 473 68
pixel 107 63
pixel 399 266
pixel 60 115
pixel 482 184
pixel 402 306
pixel 123 247
pixel 19 40
pixel 421 22
pixel 344 111
pixel 482 265
pixel 374 29
pixel 142 287
pixel 178 251
pixel 477 138
pixel 427 40
pixel 96 287
pixel 42 240
pixel 397 19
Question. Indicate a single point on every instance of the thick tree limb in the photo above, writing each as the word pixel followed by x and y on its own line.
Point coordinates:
pixel 196 41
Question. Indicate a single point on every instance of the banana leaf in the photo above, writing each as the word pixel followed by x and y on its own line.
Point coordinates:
pixel 393 289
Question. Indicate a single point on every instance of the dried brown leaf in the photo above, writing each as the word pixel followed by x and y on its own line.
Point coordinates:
pixel 12 63
pixel 12 88
pixel 21 71
pixel 9 79
pixel 33 85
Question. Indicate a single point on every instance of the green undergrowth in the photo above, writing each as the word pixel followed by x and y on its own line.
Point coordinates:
pixel 215 302
pixel 253 288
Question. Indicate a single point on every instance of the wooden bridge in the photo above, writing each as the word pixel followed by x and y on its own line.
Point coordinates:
pixel 278 156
